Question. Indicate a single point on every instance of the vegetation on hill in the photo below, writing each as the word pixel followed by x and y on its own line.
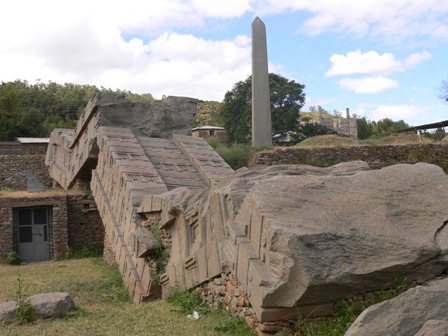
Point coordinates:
pixel 34 110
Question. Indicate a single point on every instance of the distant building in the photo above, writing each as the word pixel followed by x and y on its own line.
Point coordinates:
pixel 33 140
pixel 346 126
pixel 206 132
pixel 284 139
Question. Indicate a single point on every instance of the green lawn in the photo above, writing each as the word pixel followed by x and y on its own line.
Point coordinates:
pixel 103 305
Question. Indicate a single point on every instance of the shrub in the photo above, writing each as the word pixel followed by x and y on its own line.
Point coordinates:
pixel 15 259
pixel 187 301
pixel 236 155
pixel 26 313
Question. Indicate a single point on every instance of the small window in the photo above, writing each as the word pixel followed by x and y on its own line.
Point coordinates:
pixel 25 217
pixel 25 234
pixel 40 216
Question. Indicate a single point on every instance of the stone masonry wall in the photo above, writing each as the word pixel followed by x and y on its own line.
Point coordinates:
pixel 14 169
pixel 376 156
pixel 17 148
pixel 84 222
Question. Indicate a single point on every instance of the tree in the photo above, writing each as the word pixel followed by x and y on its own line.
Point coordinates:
pixel 364 128
pixel 443 90
pixel 387 126
pixel 286 97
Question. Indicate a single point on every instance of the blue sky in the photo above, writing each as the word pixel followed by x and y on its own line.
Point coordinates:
pixel 381 59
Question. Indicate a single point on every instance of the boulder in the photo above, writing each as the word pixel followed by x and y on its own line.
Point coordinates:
pixel 407 313
pixel 8 311
pixel 52 304
pixel 158 119
pixel 434 328
pixel 299 238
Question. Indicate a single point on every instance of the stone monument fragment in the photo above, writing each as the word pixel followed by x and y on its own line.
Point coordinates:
pixel 261 102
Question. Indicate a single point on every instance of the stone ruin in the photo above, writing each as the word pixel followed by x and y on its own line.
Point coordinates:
pixel 293 238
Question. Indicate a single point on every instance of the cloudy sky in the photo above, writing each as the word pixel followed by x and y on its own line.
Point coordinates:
pixel 380 58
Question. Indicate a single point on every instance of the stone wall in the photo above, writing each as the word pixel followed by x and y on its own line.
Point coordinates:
pixel 84 222
pixel 376 156
pixel 17 148
pixel 14 169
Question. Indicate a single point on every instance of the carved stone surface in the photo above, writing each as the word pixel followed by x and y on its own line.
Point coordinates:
pixel 299 238
pixel 296 238
pixel 129 150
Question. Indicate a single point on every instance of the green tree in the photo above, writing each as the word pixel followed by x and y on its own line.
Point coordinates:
pixel 387 126
pixel 286 97
pixel 9 111
pixel 364 128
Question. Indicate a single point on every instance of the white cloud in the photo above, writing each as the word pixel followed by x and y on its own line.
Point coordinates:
pixel 119 46
pixel 356 62
pixel 415 59
pixel 397 112
pixel 391 21
pixel 368 84
pixel 369 62
pixel 222 9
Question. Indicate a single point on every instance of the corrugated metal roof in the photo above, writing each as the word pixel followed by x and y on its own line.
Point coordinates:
pixel 439 124
pixel 33 140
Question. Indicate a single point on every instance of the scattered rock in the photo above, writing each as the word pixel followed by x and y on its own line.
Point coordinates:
pixel 46 304
pixel 407 313
pixel 8 311
pixel 52 304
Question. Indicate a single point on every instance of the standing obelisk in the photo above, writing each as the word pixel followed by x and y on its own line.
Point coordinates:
pixel 261 105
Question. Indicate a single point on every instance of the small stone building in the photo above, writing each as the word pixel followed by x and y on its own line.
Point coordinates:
pixel 42 226
pixel 206 132
pixel 37 221
pixel 347 126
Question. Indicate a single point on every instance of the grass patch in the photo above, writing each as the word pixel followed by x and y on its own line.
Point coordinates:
pixel 84 251
pixel 236 155
pixel 329 140
pixel 187 301
pixel 346 312
pixel 103 306
pixel 218 321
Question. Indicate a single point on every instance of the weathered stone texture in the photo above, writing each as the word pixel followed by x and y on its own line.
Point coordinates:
pixel 46 305
pixel 291 239
pixel 8 311
pixel 261 105
pixel 130 163
pixel 434 328
pixel 14 169
pixel 406 314
pixel 290 257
